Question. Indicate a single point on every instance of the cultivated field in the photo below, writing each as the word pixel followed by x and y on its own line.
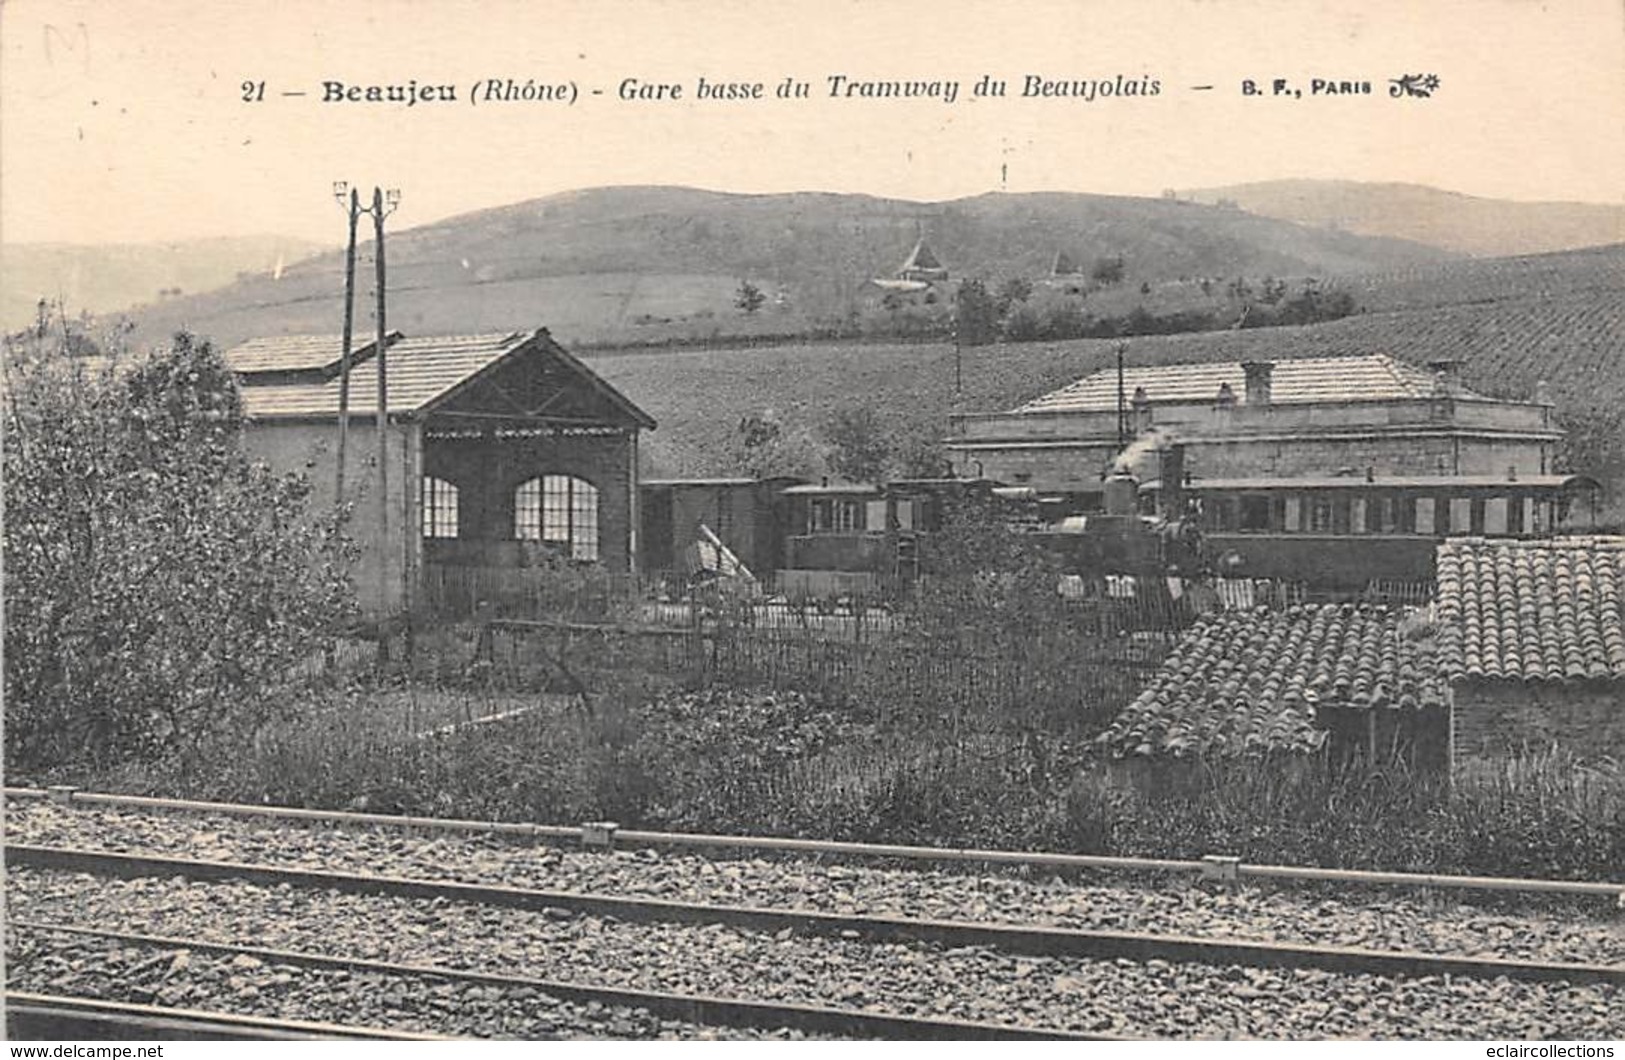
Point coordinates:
pixel 1560 318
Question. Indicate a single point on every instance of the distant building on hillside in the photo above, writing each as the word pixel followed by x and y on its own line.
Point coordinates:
pixel 921 271
pixel 1066 275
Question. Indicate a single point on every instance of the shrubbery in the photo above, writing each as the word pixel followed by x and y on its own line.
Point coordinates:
pixel 158 583
pixel 766 762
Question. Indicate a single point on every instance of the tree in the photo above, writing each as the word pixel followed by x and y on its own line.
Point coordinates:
pixel 761 446
pixel 1593 444
pixel 1108 271
pixel 1013 292
pixel 860 449
pixel 976 314
pixel 749 297
pixel 159 584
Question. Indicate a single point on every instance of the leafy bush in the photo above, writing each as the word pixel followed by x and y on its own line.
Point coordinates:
pixel 158 583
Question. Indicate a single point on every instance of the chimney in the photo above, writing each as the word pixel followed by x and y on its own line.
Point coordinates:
pixel 1446 376
pixel 1543 392
pixel 1226 399
pixel 1142 410
pixel 1258 381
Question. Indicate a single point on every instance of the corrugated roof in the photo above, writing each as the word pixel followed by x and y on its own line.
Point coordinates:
pixel 1533 610
pixel 296 353
pixel 1300 381
pixel 1250 682
pixel 418 370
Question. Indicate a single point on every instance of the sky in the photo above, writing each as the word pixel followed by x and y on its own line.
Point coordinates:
pixel 126 121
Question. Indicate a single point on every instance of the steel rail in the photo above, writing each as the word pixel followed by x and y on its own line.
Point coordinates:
pixel 699 1009
pixel 46 1017
pixel 1212 867
pixel 1025 939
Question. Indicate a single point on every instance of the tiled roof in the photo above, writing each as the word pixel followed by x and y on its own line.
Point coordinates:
pixel 419 370
pixel 1251 682
pixel 295 353
pixel 1300 381
pixel 1532 610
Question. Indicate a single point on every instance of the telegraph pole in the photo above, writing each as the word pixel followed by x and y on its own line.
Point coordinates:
pixel 354 210
pixel 383 204
pixel 381 357
pixel 1122 411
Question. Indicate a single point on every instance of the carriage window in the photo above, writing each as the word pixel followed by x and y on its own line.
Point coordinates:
pixel 437 500
pixel 1461 516
pixel 559 509
pixel 1320 515
pixel 1377 515
pixel 1255 513
pixel 1340 516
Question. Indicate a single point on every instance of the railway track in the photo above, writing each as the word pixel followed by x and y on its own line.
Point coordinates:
pixel 46 1017
pixel 1217 867
pixel 1030 940
pixel 697 1009
pixel 795 945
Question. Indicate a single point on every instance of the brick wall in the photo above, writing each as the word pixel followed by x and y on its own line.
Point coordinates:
pixel 1493 718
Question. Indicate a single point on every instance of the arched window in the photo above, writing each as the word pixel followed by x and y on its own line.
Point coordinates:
pixel 559 509
pixel 437 499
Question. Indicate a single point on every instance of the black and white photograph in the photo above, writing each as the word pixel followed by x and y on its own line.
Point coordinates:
pixel 717 520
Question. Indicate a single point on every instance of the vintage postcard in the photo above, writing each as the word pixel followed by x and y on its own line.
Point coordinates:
pixel 706 519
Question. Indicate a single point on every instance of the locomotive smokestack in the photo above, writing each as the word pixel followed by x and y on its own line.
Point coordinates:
pixel 1171 471
pixel 1122 492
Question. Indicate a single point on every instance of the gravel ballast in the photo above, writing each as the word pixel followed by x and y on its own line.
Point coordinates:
pixel 177 977
pixel 1389 920
pixel 1152 998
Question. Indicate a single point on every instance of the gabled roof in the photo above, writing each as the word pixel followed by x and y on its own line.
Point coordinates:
pixel 1533 610
pixel 1251 682
pixel 1299 381
pixel 1064 265
pixel 921 258
pixel 421 372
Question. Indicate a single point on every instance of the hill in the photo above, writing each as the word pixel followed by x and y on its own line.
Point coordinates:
pixel 100 279
pixel 1560 318
pixel 628 264
pixel 1445 219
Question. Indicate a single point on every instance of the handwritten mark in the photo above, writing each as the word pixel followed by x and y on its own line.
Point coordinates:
pixel 75 41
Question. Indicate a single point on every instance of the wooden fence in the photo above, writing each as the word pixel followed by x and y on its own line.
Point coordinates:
pixel 1055 674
